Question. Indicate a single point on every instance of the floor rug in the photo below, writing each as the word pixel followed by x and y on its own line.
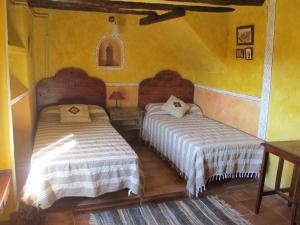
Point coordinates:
pixel 208 211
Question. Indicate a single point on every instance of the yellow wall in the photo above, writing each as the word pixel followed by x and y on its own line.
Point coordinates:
pixel 40 47
pixel 20 60
pixel 284 123
pixel 5 159
pixel 23 113
pixel 240 75
pixel 73 38
pixel 213 31
pixel 19 66
pixel 20 30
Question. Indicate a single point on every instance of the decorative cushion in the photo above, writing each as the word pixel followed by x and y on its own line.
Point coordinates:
pixel 74 113
pixel 175 107
pixel 93 109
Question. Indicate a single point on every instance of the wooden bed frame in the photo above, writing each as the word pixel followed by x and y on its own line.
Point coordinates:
pixel 70 86
pixel 162 85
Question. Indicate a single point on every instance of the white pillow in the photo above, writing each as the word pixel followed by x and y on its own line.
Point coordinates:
pixel 153 106
pixel 93 109
pixel 75 113
pixel 176 107
pixel 53 109
pixel 195 109
pixel 98 111
pixel 155 109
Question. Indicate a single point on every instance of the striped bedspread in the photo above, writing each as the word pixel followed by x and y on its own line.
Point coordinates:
pixel 203 149
pixel 79 159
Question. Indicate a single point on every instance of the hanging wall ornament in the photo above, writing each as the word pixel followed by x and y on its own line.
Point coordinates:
pixel 110 49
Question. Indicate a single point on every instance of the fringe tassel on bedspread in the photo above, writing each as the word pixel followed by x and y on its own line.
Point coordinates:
pixel 228 176
pixel 221 178
pixel 232 175
pixel 210 179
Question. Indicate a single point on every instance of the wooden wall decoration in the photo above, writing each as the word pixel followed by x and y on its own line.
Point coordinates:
pixel 162 85
pixel 70 86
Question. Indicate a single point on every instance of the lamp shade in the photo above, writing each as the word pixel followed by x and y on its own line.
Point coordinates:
pixel 116 95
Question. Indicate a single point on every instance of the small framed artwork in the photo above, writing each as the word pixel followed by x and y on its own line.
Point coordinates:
pixel 249 53
pixel 245 35
pixel 239 53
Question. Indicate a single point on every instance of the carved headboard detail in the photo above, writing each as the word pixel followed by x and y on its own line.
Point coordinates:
pixel 162 85
pixel 70 86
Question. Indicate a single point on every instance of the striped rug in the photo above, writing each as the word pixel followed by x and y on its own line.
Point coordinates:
pixel 208 211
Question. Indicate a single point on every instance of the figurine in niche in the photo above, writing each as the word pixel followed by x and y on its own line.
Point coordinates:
pixel 109 54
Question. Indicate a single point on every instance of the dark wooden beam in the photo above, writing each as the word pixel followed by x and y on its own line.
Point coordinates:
pixel 67 6
pixel 159 18
pixel 110 6
pixel 226 2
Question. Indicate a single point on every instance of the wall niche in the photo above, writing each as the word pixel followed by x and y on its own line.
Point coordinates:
pixel 110 53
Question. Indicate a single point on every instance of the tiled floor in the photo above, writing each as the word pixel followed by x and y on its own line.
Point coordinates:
pixel 274 210
pixel 161 183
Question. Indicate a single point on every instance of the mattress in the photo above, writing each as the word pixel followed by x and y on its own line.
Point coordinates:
pixel 202 149
pixel 79 159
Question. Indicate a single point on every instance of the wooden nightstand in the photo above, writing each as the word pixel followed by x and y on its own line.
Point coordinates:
pixel 126 118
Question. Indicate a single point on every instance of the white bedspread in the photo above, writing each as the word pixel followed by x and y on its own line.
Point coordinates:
pixel 79 159
pixel 203 149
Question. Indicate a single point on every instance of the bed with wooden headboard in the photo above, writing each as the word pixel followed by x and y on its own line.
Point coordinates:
pixel 70 86
pixel 164 84
pixel 78 158
pixel 200 148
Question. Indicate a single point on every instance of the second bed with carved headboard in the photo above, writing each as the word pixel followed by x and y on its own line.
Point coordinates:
pixel 86 158
pixel 200 148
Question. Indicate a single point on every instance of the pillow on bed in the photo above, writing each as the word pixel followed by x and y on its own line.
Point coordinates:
pixel 98 111
pixel 93 109
pixel 74 113
pixel 176 107
pixel 50 110
pixel 195 109
pixel 155 109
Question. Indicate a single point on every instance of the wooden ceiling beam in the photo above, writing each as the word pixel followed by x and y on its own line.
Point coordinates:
pixel 225 2
pixel 109 6
pixel 98 9
pixel 159 18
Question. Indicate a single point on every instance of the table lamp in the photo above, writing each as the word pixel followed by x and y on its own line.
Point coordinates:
pixel 116 95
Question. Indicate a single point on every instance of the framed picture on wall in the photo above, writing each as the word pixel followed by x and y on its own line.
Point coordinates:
pixel 245 35
pixel 239 53
pixel 249 53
